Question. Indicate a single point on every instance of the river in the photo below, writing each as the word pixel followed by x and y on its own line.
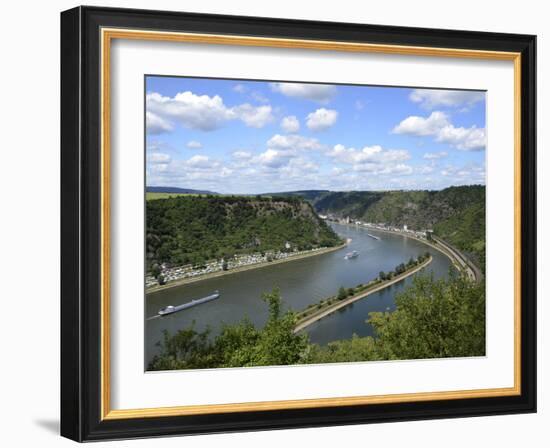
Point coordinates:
pixel 301 282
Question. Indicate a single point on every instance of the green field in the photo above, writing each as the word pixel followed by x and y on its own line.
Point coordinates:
pixel 149 196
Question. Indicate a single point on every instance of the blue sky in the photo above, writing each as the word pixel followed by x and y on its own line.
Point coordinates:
pixel 234 136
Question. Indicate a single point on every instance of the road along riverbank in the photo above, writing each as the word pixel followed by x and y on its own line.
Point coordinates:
pixel 185 281
pixel 473 272
pixel 306 322
pixel 459 260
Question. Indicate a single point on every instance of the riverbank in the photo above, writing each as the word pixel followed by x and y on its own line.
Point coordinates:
pixel 453 254
pixel 306 322
pixel 188 280
pixel 473 272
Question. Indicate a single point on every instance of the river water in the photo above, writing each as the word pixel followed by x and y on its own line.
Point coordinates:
pixel 301 282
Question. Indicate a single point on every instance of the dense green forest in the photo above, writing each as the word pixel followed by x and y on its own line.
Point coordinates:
pixel 456 214
pixel 194 229
pixel 433 319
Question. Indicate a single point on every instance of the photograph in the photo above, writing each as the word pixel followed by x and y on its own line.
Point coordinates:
pixel 276 223
pixel 291 223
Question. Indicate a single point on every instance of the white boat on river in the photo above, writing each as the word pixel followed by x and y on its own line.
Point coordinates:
pixel 170 309
pixel 351 255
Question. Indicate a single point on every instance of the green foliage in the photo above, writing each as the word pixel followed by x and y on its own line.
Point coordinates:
pixel 344 293
pixel 194 229
pixel 456 214
pixel 400 268
pixel 187 349
pixel 356 349
pixel 161 279
pixel 309 195
pixel 151 196
pixel 237 345
pixel 155 270
pixel 418 209
pixel 433 319
pixel 466 231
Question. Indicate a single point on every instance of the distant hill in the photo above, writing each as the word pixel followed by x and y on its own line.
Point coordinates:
pixel 310 195
pixel 176 190
pixel 456 214
pixel 194 229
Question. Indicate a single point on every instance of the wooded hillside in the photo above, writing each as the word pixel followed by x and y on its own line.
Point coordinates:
pixel 194 229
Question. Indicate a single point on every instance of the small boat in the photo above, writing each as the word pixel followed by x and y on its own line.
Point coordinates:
pixel 167 310
pixel 170 309
pixel 350 255
pixel 373 236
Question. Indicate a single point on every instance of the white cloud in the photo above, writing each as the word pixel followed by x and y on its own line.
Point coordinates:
pixel 158 157
pixel 203 112
pixel 431 99
pixel 274 158
pixel 300 168
pixel 193 144
pixel 415 125
pixel 321 119
pixel 373 168
pixel 293 141
pixel 242 155
pixel 283 149
pixel 290 124
pixel 400 168
pixel 239 88
pixel 201 162
pixel 466 139
pixel 321 93
pixel 254 117
pixel 439 126
pixel 193 111
pixel 259 97
pixel 435 155
pixel 425 169
pixel 471 173
pixel 156 125
pixel 373 159
pixel 368 154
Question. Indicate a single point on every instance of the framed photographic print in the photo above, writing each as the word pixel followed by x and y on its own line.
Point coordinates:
pixel 275 224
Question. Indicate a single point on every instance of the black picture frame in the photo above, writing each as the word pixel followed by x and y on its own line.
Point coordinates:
pixel 81 224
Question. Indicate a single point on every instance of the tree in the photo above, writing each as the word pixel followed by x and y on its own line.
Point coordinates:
pixel 187 349
pixel 342 293
pixel 433 319
pixel 399 269
pixel 161 279
pixel 199 229
pixel 382 275
pixel 277 344
pixel 155 270
pixel 237 345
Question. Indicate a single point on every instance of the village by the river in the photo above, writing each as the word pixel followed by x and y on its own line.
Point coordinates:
pixel 302 282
